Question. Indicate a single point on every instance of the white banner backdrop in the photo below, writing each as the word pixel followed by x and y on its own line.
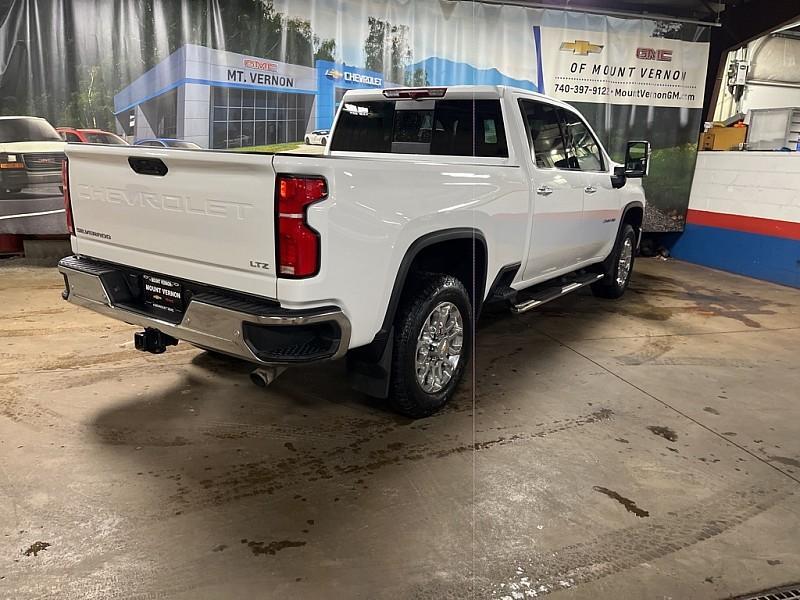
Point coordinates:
pixel 623 65
pixel 161 68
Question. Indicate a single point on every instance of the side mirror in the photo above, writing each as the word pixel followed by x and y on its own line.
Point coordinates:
pixel 637 159
pixel 619 178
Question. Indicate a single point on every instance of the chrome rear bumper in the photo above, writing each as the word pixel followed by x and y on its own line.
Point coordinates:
pixel 205 322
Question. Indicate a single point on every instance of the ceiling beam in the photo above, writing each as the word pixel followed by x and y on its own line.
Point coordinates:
pixel 624 10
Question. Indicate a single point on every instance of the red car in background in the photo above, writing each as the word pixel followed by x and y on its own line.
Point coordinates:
pixel 90 136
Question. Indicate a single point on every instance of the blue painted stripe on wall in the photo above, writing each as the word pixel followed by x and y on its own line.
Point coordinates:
pixel 760 256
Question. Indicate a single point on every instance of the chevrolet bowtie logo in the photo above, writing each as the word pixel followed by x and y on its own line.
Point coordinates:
pixel 333 74
pixel 581 47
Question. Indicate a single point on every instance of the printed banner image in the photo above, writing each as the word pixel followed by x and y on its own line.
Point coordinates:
pixel 623 68
pixel 270 75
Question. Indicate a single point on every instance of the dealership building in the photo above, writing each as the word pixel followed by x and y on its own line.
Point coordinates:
pixel 221 99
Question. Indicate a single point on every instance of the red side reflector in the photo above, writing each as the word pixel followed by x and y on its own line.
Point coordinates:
pixel 67 199
pixel 415 93
pixel 298 245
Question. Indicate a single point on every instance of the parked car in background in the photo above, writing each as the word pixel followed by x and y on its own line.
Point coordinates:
pixel 318 137
pixel 168 143
pixel 31 153
pixel 427 204
pixel 90 136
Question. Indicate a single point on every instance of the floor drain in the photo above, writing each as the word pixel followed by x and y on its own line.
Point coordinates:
pixel 790 592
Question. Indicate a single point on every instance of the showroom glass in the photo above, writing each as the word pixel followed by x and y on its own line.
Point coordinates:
pixel 545 136
pixel 582 143
pixel 256 117
pixel 27 130
pixel 441 127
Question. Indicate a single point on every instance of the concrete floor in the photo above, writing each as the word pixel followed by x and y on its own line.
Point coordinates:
pixel 646 448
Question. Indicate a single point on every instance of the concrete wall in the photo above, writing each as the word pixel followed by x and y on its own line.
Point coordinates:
pixel 744 215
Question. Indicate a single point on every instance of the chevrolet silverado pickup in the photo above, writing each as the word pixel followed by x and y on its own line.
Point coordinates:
pixel 427 204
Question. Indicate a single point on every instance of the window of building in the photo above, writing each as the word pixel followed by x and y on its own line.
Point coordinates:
pixel 243 118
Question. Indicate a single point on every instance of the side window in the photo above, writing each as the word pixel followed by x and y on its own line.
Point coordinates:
pixel 71 137
pixel 584 147
pixel 546 140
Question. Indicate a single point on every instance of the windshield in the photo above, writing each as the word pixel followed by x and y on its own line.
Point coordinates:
pixel 27 130
pixel 105 138
pixel 180 144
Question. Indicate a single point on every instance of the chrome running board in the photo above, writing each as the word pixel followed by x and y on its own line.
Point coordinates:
pixel 549 294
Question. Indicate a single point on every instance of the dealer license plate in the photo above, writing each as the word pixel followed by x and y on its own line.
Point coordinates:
pixel 163 295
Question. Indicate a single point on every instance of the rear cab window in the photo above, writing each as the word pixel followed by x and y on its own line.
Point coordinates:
pixel 463 127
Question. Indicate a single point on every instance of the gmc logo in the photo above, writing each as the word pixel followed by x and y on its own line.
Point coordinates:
pixel 653 54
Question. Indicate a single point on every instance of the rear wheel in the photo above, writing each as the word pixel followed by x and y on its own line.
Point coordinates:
pixel 308 142
pixel 618 275
pixel 432 346
pixel 324 141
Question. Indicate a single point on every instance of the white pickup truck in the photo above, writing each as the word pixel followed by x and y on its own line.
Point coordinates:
pixel 427 204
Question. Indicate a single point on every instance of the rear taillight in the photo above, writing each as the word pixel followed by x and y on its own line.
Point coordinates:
pixel 67 200
pixel 11 162
pixel 297 244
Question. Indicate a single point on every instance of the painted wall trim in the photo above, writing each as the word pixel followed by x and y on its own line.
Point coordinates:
pixel 756 225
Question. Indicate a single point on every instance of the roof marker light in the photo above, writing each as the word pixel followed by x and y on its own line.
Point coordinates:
pixel 415 93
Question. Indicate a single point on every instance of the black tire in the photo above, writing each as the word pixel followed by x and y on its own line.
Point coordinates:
pixel 406 394
pixel 613 285
pixel 308 142
pixel 324 141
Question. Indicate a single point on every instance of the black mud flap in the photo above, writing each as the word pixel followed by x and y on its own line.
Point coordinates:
pixel 371 377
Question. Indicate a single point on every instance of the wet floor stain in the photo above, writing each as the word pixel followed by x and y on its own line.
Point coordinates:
pixel 711 410
pixel 629 504
pixel 272 548
pixel 664 432
pixel 705 301
pixel 621 440
pixel 37 547
pixel 785 460
pixel 772 563
pixel 220 548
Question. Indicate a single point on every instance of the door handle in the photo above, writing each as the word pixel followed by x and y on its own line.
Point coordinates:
pixel 590 189
pixel 544 190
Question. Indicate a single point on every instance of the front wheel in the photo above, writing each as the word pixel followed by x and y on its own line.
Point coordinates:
pixel 324 142
pixel 308 142
pixel 431 347
pixel 618 274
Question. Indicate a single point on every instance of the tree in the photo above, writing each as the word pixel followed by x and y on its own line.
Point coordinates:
pixel 417 78
pixel 324 49
pixel 386 49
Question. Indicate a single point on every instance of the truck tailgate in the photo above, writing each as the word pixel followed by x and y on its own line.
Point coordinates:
pixel 209 218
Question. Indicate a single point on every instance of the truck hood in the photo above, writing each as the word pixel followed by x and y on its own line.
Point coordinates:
pixel 28 147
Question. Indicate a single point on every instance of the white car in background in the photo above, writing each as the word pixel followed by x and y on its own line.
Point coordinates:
pixel 318 137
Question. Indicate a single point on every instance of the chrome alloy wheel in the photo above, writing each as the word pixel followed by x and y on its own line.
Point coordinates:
pixel 625 261
pixel 439 347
